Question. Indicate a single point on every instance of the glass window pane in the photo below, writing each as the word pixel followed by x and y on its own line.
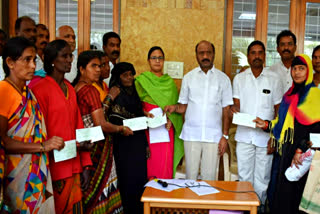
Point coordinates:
pixel 278 20
pixel 244 22
pixel 312 32
pixel 101 21
pixel 29 8
pixel 67 14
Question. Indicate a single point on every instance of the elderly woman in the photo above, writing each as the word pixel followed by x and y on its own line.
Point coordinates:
pixel 158 90
pixel 298 116
pixel 129 151
pixel 58 101
pixel 27 179
pixel 102 195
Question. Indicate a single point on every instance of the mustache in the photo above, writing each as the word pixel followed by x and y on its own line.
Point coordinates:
pixel 115 52
pixel 204 60
pixel 257 60
pixel 286 51
pixel 44 43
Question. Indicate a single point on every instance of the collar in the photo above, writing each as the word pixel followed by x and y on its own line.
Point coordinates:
pixel 209 71
pixel 248 71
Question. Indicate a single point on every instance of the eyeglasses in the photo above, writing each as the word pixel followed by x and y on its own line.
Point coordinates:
pixel 157 57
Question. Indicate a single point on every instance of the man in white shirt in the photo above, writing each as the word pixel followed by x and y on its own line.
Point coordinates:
pixel 286 47
pixel 66 33
pixel 257 92
pixel 205 97
pixel 111 46
pixel 25 27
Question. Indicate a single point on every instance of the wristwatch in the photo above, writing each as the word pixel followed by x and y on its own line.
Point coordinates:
pixel 226 136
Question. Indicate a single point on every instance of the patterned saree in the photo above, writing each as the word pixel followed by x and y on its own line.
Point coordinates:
pixel 28 186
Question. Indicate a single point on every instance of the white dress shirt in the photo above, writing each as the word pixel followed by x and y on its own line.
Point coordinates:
pixel 284 74
pixel 39 63
pixel 107 81
pixel 73 71
pixel 257 96
pixel 206 95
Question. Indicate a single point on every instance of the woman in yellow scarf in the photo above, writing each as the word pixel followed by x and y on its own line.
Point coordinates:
pixel 298 116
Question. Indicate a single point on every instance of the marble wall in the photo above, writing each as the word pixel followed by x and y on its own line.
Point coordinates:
pixel 175 25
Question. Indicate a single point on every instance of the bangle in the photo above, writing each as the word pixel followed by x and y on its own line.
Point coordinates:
pixel 298 152
pixel 86 167
pixel 42 148
pixel 110 96
pixel 266 124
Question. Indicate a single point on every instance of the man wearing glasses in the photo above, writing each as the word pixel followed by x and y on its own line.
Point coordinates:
pixel 205 97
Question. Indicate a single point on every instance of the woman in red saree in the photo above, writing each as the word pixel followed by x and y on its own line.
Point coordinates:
pixel 58 101
pixel 102 195
pixel 27 179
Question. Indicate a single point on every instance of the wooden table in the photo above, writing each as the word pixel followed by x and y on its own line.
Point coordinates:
pixel 185 198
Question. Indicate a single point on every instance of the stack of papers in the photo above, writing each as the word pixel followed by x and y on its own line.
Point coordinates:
pixel 198 187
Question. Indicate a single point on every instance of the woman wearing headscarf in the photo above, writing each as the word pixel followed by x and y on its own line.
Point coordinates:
pixel 298 116
pixel 158 90
pixel 103 195
pixel 58 101
pixel 129 151
pixel 25 171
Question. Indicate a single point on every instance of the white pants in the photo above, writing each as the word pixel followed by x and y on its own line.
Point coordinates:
pixel 207 153
pixel 254 165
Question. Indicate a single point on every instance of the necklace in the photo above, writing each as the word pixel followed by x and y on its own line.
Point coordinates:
pixel 13 85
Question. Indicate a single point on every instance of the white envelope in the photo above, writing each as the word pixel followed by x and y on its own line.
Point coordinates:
pixel 243 119
pixel 92 134
pixel 135 124
pixel 315 139
pixel 69 151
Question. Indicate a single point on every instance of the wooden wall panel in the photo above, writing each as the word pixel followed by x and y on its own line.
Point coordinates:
pixel 176 30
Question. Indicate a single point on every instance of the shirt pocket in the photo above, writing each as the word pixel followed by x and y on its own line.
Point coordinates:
pixel 214 95
pixel 266 99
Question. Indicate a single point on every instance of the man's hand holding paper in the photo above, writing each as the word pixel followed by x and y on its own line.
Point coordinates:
pixel 244 119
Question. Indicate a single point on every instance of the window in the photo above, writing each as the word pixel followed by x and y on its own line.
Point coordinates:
pixel 67 14
pixel 101 21
pixel 244 19
pixel 312 27
pixel 278 20
pixel 29 8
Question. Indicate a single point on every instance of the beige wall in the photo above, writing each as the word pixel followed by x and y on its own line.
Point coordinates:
pixel 175 25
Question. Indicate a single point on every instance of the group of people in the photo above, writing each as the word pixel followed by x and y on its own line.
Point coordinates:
pixel 42 107
pixel 47 93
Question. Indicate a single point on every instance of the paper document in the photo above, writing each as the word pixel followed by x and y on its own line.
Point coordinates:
pixel 69 151
pixel 315 139
pixel 135 124
pixel 157 131
pixel 200 188
pixel 243 119
pixel 92 134
pixel 157 121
